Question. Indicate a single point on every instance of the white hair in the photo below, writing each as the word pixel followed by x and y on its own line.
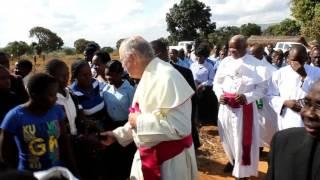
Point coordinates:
pixel 138 45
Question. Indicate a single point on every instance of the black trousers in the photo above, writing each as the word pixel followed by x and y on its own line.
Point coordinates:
pixel 208 106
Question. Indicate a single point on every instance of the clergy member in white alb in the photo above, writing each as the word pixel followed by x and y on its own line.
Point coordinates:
pixel 267 116
pixel 239 82
pixel 291 84
pixel 160 117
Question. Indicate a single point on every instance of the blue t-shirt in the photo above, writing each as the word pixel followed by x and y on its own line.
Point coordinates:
pixel 36 137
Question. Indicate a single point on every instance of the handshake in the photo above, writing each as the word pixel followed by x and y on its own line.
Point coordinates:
pixel 106 138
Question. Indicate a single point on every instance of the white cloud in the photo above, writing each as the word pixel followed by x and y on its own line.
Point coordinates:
pixel 107 21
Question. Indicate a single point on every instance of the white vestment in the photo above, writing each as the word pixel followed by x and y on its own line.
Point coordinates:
pixel 164 98
pixel 246 75
pixel 267 115
pixel 288 85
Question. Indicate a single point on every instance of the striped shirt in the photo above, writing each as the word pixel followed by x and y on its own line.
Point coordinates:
pixel 91 101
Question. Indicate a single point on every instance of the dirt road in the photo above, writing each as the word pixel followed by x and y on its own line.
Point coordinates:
pixel 211 158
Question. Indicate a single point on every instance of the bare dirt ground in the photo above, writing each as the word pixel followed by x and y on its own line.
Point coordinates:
pixel 211 157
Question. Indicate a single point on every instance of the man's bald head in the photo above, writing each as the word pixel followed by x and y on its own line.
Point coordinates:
pixel 298 53
pixel 237 46
pixel 257 51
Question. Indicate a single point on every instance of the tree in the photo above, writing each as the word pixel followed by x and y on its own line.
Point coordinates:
pixel 222 35
pixel 17 48
pixel 80 45
pixel 305 10
pixel 250 29
pixel 47 40
pixel 107 49
pixel 311 29
pixel 287 27
pixel 188 20
pixel 69 51
pixel 307 13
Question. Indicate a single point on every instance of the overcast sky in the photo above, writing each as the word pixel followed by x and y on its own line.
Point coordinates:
pixel 106 21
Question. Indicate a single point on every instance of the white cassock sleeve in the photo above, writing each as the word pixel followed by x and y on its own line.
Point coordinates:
pixel 123 134
pixel 158 126
pixel 276 101
pixel 164 125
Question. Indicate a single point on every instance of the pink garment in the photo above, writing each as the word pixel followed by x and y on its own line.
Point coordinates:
pixel 153 157
pixel 247 126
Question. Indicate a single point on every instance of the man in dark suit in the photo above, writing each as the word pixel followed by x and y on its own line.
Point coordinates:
pixel 295 152
pixel 161 51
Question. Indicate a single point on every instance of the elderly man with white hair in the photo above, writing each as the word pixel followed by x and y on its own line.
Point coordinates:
pixel 160 117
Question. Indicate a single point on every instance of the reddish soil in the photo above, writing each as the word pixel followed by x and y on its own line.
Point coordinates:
pixel 211 157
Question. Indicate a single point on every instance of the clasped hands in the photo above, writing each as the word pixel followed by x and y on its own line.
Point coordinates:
pixel 240 99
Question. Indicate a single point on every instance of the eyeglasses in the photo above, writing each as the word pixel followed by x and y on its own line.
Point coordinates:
pixel 305 102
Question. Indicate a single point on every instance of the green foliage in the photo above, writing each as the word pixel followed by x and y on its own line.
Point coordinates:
pixel 304 10
pixel 287 27
pixel 311 29
pixel 47 40
pixel 250 29
pixel 69 51
pixel 307 12
pixel 107 49
pixel 17 48
pixel 188 20
pixel 222 35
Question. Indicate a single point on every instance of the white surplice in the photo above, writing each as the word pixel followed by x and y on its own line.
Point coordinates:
pixel 165 102
pixel 246 75
pixel 288 85
pixel 267 115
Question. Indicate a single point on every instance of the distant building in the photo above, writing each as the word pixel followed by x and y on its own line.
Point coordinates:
pixel 265 40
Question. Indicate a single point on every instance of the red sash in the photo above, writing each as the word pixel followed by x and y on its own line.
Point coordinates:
pixel 246 127
pixel 152 158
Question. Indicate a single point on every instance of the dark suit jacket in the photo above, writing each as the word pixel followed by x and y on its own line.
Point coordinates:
pixel 292 156
pixel 187 74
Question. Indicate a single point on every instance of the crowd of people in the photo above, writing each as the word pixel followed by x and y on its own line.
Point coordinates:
pixel 138 117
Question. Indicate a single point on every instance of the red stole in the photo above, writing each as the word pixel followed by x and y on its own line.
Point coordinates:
pixel 153 157
pixel 247 126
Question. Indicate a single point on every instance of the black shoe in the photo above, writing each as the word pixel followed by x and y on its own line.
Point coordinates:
pixel 228 168
pixel 242 178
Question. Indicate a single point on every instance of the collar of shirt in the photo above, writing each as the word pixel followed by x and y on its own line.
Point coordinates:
pixel 124 85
